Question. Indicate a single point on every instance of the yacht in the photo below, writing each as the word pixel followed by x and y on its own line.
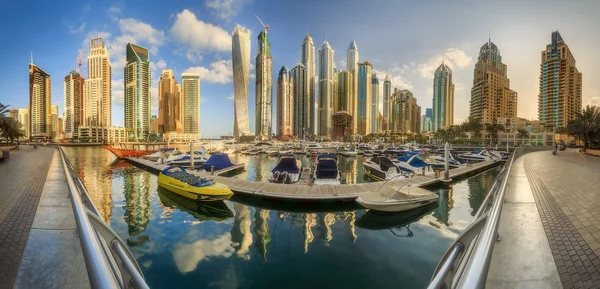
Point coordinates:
pixel 177 158
pixel 411 163
pixel 437 159
pixel 287 171
pixel 481 155
pixel 350 152
pixel 368 153
pixel 395 151
pixel 312 146
pixel 381 168
pixel 161 153
pixel 326 172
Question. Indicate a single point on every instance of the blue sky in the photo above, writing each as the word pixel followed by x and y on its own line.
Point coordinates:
pixel 407 39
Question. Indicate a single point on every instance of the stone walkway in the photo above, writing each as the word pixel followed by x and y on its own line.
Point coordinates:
pixel 566 188
pixel 22 179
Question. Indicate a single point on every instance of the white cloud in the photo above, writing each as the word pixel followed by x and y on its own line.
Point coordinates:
pixel 142 32
pixel 199 35
pixel 220 71
pixel 396 77
pixel 225 8
pixel 79 29
pixel 453 57
pixel 203 100
pixel 154 100
pixel 156 68
pixel 114 12
pixel 187 256
pixel 231 96
pixel 118 94
pixel 594 100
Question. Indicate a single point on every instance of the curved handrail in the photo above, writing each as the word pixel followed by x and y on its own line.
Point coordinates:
pixel 108 261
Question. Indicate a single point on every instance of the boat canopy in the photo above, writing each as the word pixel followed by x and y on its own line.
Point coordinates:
pixel 287 164
pixel 327 156
pixel 384 163
pixel 219 161
pixel 416 162
pixel 327 169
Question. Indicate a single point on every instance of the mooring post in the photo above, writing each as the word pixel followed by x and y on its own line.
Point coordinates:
pixel 192 155
pixel 446 162
pixel 212 170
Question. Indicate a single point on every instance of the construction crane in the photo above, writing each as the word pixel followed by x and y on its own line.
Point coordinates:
pixel 265 26
pixel 80 59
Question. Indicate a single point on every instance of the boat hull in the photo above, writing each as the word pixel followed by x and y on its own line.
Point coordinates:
pixel 216 192
pixel 397 205
pixel 124 153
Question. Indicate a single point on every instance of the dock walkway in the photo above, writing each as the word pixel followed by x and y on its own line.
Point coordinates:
pixel 303 191
pixel 550 226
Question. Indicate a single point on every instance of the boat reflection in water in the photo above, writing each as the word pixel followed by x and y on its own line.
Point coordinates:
pixel 204 211
pixel 375 220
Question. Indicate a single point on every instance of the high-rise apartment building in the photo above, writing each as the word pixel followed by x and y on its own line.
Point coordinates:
pixel 308 60
pixel 285 103
pixel 98 85
pixel 24 120
pixel 345 89
pixel 14 114
pixel 559 98
pixel 352 67
pixel 190 90
pixel 365 91
pixel 491 96
pixel 170 104
pixel 54 121
pixel 264 86
pixel 443 98
pixel 240 58
pixel 302 104
pixel 335 95
pixel 73 99
pixel 387 94
pixel 406 113
pixel 40 96
pixel 326 64
pixel 137 92
pixel 375 104
pixel 426 123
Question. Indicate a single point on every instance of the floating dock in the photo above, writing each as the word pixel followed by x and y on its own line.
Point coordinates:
pixel 311 192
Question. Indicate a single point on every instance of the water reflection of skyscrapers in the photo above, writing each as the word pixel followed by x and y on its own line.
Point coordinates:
pixel 446 203
pixel 94 170
pixel 478 188
pixel 310 221
pixel 325 221
pixel 350 219
pixel 240 232
pixel 348 166
pixel 137 201
pixel 261 228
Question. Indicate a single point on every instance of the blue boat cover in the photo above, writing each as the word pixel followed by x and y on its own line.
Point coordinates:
pixel 404 158
pixel 327 169
pixel 287 164
pixel 219 161
pixel 327 156
pixel 418 163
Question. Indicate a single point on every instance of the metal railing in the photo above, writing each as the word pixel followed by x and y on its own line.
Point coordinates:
pixel 108 261
pixel 466 263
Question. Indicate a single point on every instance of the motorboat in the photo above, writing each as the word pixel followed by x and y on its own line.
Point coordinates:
pixel 177 158
pixel 326 172
pixel 217 162
pixel 481 155
pixel 350 153
pixel 164 153
pixel 368 153
pixel 438 159
pixel 253 152
pixel 272 152
pixel 179 181
pixel 397 199
pixel 310 147
pixel 411 163
pixel 287 171
pixel 394 151
pixel 381 168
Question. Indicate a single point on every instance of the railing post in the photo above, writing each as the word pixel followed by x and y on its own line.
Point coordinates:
pixel 446 162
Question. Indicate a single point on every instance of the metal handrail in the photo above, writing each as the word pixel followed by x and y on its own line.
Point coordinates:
pixel 466 263
pixel 108 261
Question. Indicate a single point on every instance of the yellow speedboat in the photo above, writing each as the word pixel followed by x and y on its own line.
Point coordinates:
pixel 179 181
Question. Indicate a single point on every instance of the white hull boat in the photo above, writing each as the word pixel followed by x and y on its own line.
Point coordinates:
pixel 397 199
pixel 381 168
pixel 287 171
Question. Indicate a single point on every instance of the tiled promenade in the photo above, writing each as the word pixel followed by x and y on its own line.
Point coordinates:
pixel 566 191
pixel 22 179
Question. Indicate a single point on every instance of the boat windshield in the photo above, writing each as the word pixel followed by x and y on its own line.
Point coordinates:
pixel 327 169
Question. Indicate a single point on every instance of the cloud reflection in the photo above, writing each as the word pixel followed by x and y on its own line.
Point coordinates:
pixel 187 256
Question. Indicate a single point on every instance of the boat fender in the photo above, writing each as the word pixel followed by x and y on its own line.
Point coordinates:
pixel 437 174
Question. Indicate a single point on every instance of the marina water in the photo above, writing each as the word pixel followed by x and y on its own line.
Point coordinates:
pixel 250 243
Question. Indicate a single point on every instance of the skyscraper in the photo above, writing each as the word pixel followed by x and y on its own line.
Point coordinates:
pixel 24 120
pixel 325 89
pixel 285 103
pixel 240 58
pixel 443 98
pixel 559 99
pixel 387 94
pixel 170 106
pixel 308 60
pixel 426 123
pixel 264 86
pixel 190 90
pixel 40 95
pixel 137 91
pixel 54 121
pixel 406 113
pixel 302 107
pixel 491 96
pixel 363 107
pixel 97 101
pixel 375 104
pixel 14 114
pixel 345 89
pixel 352 63
pixel 73 98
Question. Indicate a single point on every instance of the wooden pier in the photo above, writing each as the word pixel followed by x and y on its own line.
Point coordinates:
pixel 306 191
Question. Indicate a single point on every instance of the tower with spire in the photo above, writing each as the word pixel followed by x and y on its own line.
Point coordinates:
pixel 352 67
pixel 443 98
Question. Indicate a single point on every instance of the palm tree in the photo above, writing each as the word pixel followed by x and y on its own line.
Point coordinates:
pixel 11 130
pixel 493 129
pixel 586 125
pixel 522 134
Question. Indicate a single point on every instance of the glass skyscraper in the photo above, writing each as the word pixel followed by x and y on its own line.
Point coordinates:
pixel 363 108
pixel 326 74
pixel 387 94
pixel 137 92
pixel 264 87
pixel 302 106
pixel 308 61
pixel 375 105
pixel 240 59
pixel 443 98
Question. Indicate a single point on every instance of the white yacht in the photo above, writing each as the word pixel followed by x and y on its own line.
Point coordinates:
pixel 380 168
pixel 482 155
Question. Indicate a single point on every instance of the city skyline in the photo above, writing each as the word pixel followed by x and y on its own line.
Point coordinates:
pixel 408 67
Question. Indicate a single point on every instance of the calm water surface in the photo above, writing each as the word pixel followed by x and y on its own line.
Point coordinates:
pixel 248 243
